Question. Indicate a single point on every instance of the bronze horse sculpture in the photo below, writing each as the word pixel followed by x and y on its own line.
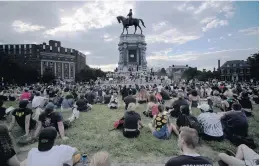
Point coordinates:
pixel 132 22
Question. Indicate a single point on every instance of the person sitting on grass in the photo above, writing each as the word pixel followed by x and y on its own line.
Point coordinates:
pixel 82 104
pixel 243 157
pixel 161 127
pixel 114 103
pixel 194 98
pixel 100 159
pixel 142 96
pixel 7 153
pixel 246 103
pixel 210 123
pixel 152 107
pixel 187 142
pixel 2 110
pixel 23 116
pixel 129 99
pixel 49 155
pixel 132 122
pixel 176 105
pixel 26 95
pixel 185 119
pixel 67 103
pixel 49 118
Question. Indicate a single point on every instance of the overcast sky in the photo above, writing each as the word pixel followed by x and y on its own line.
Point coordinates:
pixel 180 33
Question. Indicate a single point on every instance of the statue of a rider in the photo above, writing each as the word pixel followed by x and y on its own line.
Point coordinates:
pixel 130 14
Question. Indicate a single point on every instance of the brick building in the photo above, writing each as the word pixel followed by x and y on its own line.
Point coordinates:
pixel 236 70
pixel 64 62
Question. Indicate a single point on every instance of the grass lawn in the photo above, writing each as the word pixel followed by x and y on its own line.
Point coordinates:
pixel 90 133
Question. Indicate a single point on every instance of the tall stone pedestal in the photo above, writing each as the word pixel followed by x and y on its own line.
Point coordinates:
pixel 132 56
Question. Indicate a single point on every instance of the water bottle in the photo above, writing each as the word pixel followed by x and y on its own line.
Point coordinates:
pixel 84 159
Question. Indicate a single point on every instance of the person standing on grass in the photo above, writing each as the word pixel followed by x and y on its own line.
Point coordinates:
pixel 161 127
pixel 187 142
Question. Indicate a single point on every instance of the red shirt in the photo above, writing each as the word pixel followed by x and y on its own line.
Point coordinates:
pixel 25 96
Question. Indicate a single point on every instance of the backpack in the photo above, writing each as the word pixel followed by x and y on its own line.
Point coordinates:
pixel 194 123
pixel 119 124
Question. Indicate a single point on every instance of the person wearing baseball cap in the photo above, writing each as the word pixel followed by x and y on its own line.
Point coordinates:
pixel 48 154
pixel 50 118
pixel 211 124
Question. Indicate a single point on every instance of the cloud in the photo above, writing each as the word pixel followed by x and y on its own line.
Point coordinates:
pixel 108 67
pixel 200 59
pixel 92 15
pixel 22 27
pixel 108 38
pixel 229 34
pixel 207 20
pixel 250 31
pixel 172 36
pixel 209 40
pixel 214 24
pixel 221 38
pixel 159 25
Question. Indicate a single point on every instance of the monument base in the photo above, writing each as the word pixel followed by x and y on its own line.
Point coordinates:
pixel 132 57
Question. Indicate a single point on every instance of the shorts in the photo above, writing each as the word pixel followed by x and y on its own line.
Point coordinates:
pixel 131 134
pixel 162 134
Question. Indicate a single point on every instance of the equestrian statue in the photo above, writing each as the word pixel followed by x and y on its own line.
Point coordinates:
pixel 130 21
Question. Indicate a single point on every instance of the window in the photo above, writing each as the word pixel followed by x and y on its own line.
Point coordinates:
pixel 9 46
pixel 58 48
pixel 30 46
pixel 51 48
pixel 20 46
pixel 234 65
pixel 228 72
pixel 25 46
pixel 66 50
pixel 43 47
pixel 240 64
pixel 241 70
pixel 228 66
pixel 30 51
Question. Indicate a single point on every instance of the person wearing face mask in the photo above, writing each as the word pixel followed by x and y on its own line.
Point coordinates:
pixel 187 142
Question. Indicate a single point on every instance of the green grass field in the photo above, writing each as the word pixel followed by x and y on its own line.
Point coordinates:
pixel 90 134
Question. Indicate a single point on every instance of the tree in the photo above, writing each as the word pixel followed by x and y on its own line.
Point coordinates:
pixel 190 73
pixel 253 61
pixel 89 73
pixel 48 76
pixel 162 72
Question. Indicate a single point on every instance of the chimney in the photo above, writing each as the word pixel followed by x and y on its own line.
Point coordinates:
pixel 218 64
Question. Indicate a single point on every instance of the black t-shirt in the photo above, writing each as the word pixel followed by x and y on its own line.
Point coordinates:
pixel 184 160
pixel 2 113
pixel 20 115
pixel 131 120
pixel 81 103
pixel 5 157
pixel 129 99
pixel 50 120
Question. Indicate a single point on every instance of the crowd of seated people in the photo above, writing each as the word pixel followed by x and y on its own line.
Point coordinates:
pixel 226 109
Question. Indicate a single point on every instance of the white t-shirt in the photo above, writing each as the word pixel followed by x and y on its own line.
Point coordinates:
pixel 37 101
pixel 57 156
pixel 159 88
pixel 211 124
